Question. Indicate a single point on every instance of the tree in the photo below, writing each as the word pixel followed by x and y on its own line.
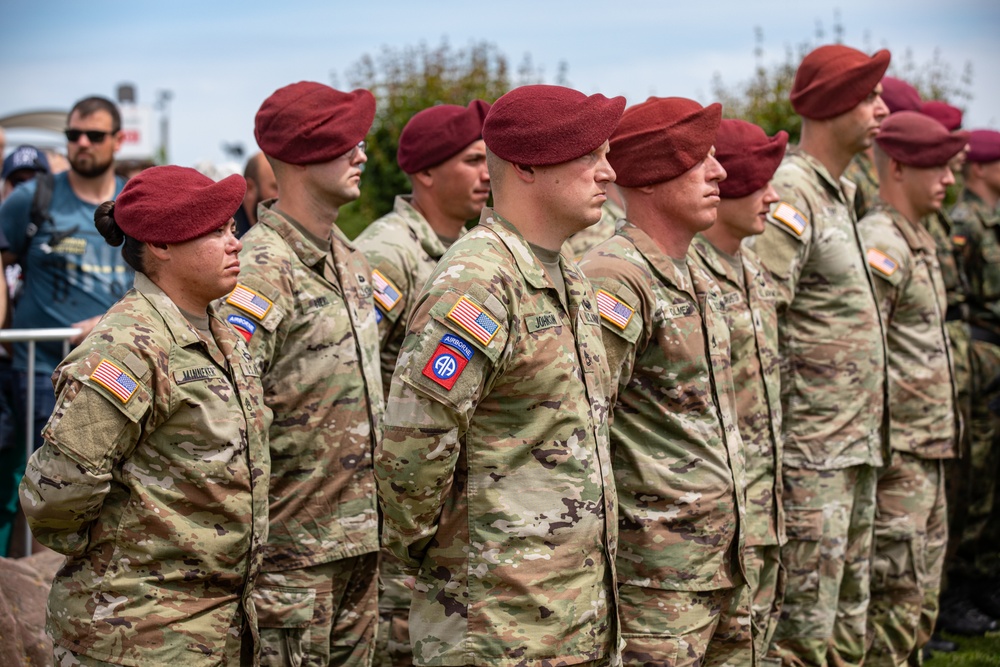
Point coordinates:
pixel 764 98
pixel 405 81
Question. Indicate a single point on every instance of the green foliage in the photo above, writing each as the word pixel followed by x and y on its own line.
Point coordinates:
pixel 406 80
pixel 764 98
pixel 972 652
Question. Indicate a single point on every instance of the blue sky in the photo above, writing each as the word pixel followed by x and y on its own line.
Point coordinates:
pixel 221 59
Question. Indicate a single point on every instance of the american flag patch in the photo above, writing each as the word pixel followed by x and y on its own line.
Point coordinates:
pixel 790 217
pixel 471 317
pixel 881 262
pixel 613 310
pixel 114 380
pixel 386 293
pixel 250 301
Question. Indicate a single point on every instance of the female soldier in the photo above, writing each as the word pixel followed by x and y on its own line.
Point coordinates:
pixel 153 476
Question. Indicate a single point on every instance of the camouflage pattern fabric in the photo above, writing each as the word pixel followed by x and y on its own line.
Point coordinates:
pixel 319 615
pixel 310 324
pixel 404 250
pixel 748 297
pixel 766 579
pixel 834 418
pixel 577 245
pixel 976 236
pixel 833 369
pixel 152 481
pixel 830 523
pixel 494 474
pixel 862 173
pixel 678 457
pixel 922 391
pixel 910 535
pixel 687 628
pixel 910 524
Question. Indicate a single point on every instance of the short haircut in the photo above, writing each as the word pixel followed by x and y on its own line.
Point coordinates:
pixel 90 105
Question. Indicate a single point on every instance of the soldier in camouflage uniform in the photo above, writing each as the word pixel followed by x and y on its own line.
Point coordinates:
pixel 750 158
pixel 912 156
pixel 153 476
pixel 976 235
pixel 494 474
pixel 898 95
pixel 304 304
pixel 833 361
pixel 678 457
pixel 442 151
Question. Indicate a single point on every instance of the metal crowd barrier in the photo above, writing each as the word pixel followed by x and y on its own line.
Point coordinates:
pixel 31 337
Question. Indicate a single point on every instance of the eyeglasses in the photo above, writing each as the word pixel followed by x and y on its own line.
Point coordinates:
pixel 353 153
pixel 93 136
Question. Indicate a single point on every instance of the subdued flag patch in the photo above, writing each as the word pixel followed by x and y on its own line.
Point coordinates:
pixel 386 293
pixel 471 317
pixel 790 217
pixel 613 310
pixel 249 301
pixel 243 326
pixel 881 262
pixel 115 380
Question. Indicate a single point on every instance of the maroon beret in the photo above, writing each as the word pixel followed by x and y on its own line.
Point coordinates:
pixel 911 138
pixel 834 79
pixel 984 146
pixel 898 95
pixel 662 138
pixel 175 204
pixel 748 155
pixel 308 122
pixel 541 125
pixel 942 112
pixel 438 133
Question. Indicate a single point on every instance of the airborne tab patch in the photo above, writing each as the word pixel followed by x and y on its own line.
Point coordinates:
pixel 613 310
pixel 448 361
pixel 881 262
pixel 249 301
pixel 790 217
pixel 243 326
pixel 114 380
pixel 471 317
pixel 386 293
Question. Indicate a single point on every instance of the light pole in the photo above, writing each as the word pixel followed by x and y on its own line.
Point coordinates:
pixel 163 98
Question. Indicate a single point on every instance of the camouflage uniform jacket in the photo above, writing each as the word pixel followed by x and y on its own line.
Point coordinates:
pixel 310 323
pixel 678 459
pixel 402 250
pixel 577 245
pixel 833 358
pixel 922 390
pixel 153 483
pixel 977 237
pixel 939 225
pixel 861 171
pixel 494 474
pixel 749 310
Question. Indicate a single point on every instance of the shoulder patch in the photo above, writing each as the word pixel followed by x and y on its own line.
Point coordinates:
pixel 789 216
pixel 613 310
pixel 473 319
pixel 115 380
pixel 959 240
pixel 448 361
pixel 386 293
pixel 249 301
pixel 881 262
pixel 243 326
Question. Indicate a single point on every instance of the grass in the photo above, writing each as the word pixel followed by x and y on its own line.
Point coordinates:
pixel 974 652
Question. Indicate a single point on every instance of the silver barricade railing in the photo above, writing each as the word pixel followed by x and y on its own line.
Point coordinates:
pixel 31 337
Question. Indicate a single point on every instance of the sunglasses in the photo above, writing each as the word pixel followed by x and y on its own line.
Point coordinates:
pixel 93 136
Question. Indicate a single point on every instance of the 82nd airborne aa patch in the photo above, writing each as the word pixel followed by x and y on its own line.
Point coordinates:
pixel 448 361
